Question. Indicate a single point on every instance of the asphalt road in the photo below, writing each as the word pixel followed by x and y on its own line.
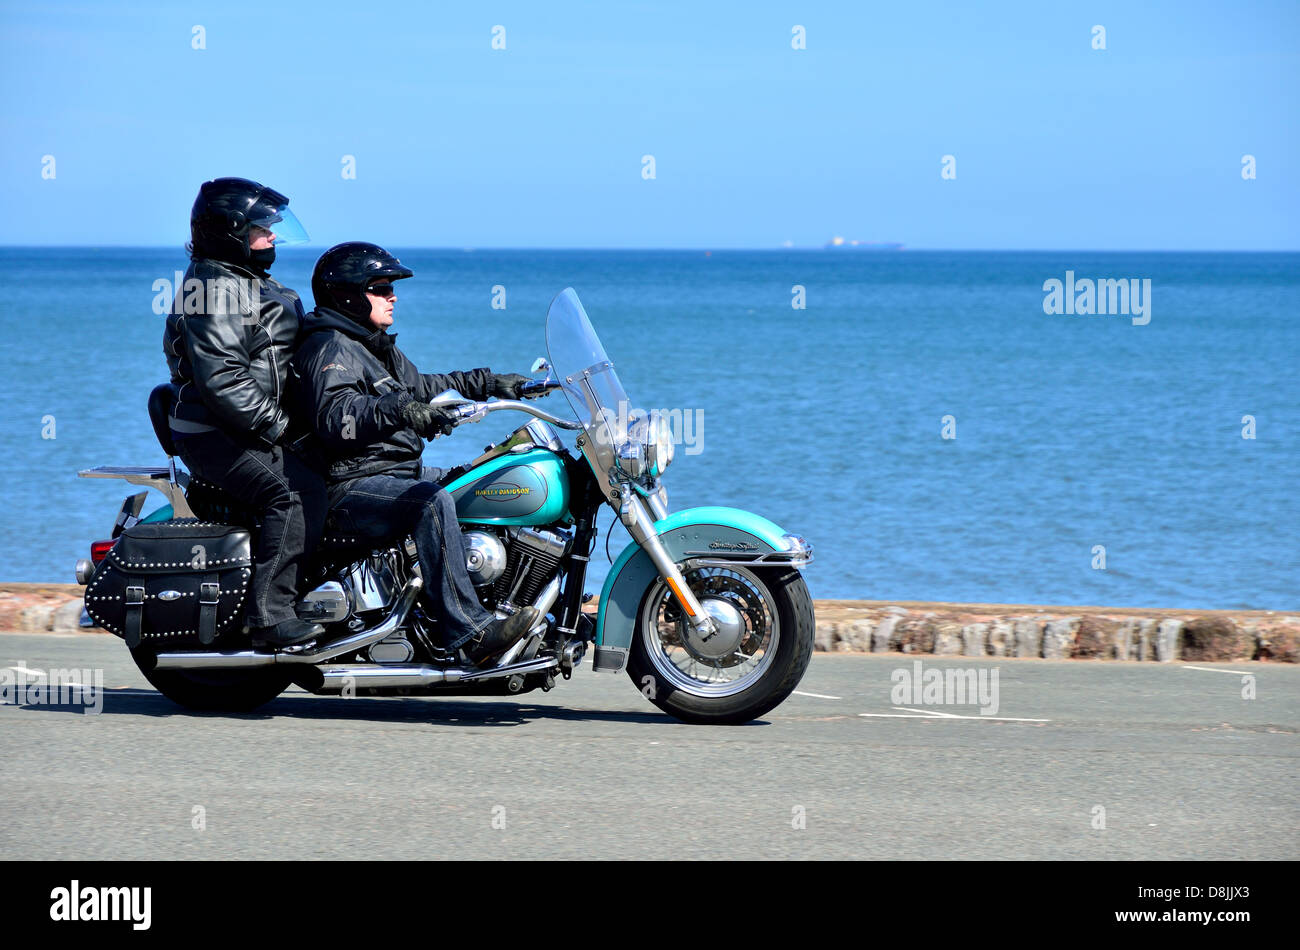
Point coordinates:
pixel 1129 761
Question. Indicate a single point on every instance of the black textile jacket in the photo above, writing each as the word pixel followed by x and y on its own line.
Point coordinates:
pixel 351 383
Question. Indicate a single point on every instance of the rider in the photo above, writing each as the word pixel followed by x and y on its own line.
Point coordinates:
pixel 369 407
pixel 228 342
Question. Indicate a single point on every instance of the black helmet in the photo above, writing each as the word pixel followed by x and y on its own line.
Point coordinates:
pixel 223 213
pixel 343 272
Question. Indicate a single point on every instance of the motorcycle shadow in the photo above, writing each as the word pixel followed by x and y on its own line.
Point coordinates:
pixel 449 711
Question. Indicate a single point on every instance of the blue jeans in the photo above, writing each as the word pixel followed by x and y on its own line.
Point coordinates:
pixel 384 507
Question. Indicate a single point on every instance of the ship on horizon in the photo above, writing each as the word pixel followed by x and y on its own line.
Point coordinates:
pixel 838 243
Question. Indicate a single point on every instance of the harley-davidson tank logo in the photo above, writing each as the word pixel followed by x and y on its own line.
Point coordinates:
pixel 502 492
pixel 732 546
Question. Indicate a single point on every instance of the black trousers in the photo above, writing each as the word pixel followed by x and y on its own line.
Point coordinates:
pixel 292 501
pixel 382 507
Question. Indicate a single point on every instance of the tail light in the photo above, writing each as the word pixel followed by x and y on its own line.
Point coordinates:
pixel 99 550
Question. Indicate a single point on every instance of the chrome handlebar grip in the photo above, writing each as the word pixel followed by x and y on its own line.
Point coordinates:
pixel 475 411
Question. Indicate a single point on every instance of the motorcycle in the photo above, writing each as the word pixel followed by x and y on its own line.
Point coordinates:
pixel 706 609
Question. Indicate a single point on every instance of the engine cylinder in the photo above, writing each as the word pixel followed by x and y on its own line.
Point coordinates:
pixel 534 558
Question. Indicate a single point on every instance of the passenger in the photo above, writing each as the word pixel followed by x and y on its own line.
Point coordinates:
pixel 368 405
pixel 229 341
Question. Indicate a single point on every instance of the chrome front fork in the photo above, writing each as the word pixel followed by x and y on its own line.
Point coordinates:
pixel 639 519
pixel 658 503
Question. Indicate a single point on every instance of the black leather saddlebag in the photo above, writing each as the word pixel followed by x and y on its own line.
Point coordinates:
pixel 179 581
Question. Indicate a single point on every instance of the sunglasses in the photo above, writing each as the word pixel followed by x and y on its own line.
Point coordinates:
pixel 380 290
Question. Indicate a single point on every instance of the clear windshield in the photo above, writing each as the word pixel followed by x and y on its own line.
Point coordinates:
pixel 587 376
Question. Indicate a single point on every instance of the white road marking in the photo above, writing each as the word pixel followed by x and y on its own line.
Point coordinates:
pixel 892 716
pixel 1211 670
pixel 934 714
pixel 909 709
pixel 799 692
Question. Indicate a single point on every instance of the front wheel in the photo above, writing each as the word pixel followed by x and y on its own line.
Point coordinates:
pixel 761 650
pixel 213 690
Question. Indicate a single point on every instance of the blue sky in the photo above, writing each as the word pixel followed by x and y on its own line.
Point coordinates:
pixel 1056 144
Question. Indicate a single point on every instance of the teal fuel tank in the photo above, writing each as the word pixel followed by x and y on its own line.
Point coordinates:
pixel 528 488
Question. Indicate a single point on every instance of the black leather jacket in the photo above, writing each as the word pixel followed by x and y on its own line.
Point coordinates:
pixel 230 362
pixel 351 383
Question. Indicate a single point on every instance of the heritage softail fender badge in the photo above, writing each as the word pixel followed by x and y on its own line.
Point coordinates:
pixel 170 595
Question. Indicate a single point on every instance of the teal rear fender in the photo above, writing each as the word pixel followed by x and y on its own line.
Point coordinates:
pixel 164 513
pixel 692 531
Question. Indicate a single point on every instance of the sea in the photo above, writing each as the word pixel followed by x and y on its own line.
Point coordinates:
pixel 919 416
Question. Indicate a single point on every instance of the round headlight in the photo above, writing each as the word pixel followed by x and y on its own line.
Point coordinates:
pixel 659 445
pixel 631 459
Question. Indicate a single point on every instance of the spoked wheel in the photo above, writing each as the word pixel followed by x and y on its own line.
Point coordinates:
pixel 760 652
pixel 213 690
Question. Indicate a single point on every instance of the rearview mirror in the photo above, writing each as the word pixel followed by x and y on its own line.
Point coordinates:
pixel 449 399
pixel 541 365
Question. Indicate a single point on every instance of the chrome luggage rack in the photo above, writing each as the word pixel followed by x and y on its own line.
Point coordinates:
pixel 168 479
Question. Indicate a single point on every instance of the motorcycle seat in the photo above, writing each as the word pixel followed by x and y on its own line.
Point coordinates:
pixel 213 503
pixel 336 541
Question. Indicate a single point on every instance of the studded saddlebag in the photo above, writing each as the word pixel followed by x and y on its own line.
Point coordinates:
pixel 182 580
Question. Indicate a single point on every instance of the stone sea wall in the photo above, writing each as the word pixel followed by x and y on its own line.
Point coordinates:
pixel 1056 633
pixel 937 629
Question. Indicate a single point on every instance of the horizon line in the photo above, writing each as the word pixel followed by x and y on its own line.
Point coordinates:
pixel 873 251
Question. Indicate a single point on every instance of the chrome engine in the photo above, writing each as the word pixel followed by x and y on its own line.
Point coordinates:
pixel 531 560
pixel 394 649
pixel 371 585
pixel 373 582
pixel 508 567
pixel 485 556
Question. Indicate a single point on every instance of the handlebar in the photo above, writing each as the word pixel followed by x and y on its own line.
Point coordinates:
pixel 476 411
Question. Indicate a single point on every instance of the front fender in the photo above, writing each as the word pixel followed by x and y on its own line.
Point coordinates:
pixel 692 532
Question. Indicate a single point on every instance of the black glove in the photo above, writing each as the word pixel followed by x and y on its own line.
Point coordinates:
pixel 427 421
pixel 266 441
pixel 507 385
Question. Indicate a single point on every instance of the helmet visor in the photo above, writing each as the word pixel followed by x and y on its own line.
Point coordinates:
pixel 281 222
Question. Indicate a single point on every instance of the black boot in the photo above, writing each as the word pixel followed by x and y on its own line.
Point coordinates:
pixel 501 635
pixel 286 633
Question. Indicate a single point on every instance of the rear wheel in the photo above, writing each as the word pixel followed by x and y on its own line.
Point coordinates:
pixel 213 690
pixel 761 650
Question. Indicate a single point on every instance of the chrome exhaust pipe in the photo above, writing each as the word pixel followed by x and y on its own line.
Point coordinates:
pixel 537 665
pixel 242 659
pixel 547 595
pixel 229 660
pixel 344 677
pixel 347 677
pixel 546 598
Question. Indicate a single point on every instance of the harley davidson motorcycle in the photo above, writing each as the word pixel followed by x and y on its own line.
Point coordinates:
pixel 706 609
